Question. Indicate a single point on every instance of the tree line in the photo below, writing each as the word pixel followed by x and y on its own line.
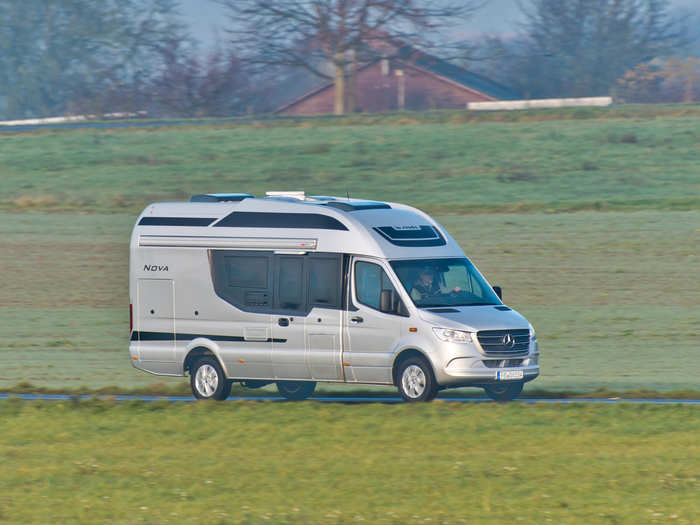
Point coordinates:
pixel 86 57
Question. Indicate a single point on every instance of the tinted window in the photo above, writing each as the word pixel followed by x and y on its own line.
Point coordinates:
pixel 267 282
pixel 243 278
pixel 248 272
pixel 324 282
pixel 290 287
pixel 374 289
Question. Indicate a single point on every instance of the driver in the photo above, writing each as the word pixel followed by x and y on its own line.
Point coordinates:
pixel 426 286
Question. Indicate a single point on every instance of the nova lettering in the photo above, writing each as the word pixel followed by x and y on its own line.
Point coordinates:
pixel 154 268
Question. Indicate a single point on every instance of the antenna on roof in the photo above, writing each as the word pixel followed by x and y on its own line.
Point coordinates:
pixel 348 194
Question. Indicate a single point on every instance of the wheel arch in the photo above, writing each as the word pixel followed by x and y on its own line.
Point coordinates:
pixel 201 351
pixel 404 354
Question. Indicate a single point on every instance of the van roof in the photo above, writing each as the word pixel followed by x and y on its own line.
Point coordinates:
pixel 321 223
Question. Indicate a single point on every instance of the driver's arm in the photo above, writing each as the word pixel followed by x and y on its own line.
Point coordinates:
pixel 447 291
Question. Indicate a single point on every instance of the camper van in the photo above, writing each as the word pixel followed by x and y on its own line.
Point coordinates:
pixel 291 290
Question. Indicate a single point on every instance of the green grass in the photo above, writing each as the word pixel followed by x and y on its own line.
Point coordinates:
pixel 243 462
pixel 611 295
pixel 618 159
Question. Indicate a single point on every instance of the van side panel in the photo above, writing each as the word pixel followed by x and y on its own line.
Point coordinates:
pixel 155 306
pixel 242 338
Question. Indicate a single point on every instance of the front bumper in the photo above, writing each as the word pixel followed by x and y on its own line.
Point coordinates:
pixel 471 371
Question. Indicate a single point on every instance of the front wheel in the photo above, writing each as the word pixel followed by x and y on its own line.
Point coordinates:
pixel 208 381
pixel 296 390
pixel 504 391
pixel 416 381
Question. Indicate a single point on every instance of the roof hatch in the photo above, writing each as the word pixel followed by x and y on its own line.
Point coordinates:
pixel 220 197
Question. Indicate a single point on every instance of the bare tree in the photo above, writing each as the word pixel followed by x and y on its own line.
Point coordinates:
pixel 58 55
pixel 581 47
pixel 192 83
pixel 330 38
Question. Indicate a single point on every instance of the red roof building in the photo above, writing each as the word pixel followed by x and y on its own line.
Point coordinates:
pixel 419 83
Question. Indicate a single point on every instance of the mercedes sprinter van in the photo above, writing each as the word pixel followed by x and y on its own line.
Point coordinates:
pixel 293 290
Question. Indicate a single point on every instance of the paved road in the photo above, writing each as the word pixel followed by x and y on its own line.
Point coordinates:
pixel 354 400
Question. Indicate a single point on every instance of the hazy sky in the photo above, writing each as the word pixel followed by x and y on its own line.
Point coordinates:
pixel 205 17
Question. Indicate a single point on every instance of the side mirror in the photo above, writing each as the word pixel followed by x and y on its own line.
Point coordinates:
pixel 498 291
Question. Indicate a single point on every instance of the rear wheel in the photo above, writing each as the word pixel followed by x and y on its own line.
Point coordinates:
pixel 208 381
pixel 296 390
pixel 504 391
pixel 416 381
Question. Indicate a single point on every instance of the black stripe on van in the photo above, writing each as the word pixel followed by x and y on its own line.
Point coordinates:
pixel 253 219
pixel 176 221
pixel 168 336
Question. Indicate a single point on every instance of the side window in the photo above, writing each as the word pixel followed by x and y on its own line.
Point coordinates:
pixel 374 289
pixel 324 282
pixel 268 282
pixel 247 272
pixel 290 283
pixel 243 278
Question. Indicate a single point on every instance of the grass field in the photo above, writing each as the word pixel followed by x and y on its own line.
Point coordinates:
pixel 611 289
pixel 245 462
pixel 447 167
pixel 612 296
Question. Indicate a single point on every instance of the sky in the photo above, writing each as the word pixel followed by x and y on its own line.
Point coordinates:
pixel 206 18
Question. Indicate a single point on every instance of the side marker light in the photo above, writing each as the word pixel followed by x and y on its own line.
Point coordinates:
pixel 412 329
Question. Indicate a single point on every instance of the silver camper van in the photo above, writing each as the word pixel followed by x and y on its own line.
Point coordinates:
pixel 292 290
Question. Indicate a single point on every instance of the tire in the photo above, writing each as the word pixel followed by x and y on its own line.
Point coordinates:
pixel 296 390
pixel 207 380
pixel 415 380
pixel 504 391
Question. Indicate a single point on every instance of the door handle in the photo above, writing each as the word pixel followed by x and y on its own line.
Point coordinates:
pixel 356 319
pixel 283 321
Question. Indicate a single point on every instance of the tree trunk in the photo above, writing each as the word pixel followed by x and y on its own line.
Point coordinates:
pixel 352 85
pixel 339 102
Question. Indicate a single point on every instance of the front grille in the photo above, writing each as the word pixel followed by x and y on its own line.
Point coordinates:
pixel 502 363
pixel 494 342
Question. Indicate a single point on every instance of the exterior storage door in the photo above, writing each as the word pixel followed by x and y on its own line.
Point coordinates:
pixel 155 317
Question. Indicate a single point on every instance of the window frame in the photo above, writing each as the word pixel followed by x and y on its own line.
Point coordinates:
pixel 391 280
pixel 219 279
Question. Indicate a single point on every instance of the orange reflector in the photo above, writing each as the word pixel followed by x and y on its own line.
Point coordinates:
pixel 346 364
pixel 240 360
pixel 412 329
pixel 134 357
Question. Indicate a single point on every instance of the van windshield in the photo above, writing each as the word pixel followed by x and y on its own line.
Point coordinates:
pixel 444 282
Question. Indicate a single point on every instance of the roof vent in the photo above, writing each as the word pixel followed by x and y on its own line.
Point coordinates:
pixel 358 205
pixel 220 197
pixel 299 195
pixel 323 198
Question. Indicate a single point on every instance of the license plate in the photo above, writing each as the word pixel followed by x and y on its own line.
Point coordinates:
pixel 507 375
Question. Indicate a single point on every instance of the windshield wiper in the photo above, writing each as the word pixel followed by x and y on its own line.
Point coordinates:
pixel 453 305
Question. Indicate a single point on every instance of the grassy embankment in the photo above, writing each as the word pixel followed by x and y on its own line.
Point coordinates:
pixel 450 167
pixel 101 462
pixel 612 295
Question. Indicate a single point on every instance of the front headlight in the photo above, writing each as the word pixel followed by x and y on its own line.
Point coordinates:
pixel 533 337
pixel 453 336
